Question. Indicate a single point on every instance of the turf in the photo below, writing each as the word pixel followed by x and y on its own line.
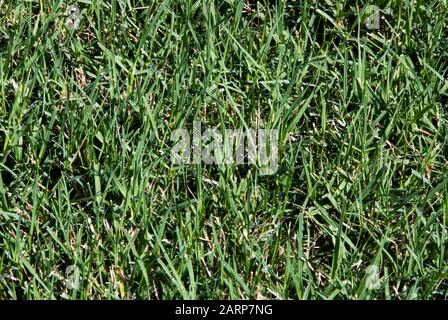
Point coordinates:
pixel 87 183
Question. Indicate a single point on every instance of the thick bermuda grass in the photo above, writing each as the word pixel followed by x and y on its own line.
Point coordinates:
pixel 356 210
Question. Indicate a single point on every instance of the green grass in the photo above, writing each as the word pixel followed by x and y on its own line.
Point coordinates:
pixel 86 178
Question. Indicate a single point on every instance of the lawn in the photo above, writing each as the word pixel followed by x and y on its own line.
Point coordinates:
pixel 93 206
